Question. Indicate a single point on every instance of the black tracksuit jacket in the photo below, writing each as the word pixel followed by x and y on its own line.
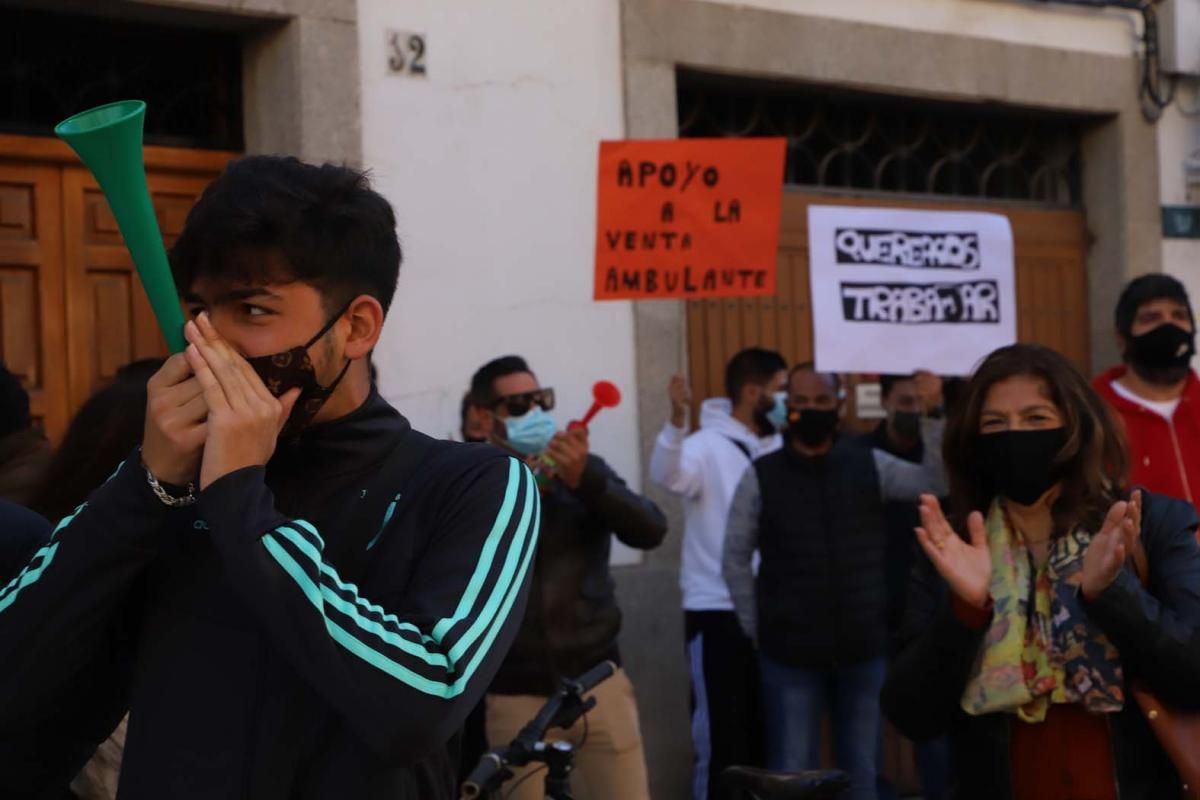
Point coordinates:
pixel 318 628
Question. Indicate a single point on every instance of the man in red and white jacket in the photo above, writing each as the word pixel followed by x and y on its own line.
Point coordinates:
pixel 1155 392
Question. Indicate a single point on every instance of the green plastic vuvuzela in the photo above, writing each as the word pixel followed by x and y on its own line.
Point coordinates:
pixel 109 140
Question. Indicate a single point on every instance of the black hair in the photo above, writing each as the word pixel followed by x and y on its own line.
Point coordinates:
pixel 104 431
pixel 751 366
pixel 464 411
pixel 14 404
pixel 888 382
pixel 483 382
pixel 331 229
pixel 833 377
pixel 468 402
pixel 1142 290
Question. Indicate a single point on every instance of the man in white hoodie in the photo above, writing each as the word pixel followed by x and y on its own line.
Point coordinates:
pixel 704 470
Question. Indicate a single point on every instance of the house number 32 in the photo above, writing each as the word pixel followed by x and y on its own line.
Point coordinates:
pixel 406 53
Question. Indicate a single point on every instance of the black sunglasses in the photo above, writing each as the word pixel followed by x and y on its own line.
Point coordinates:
pixel 518 405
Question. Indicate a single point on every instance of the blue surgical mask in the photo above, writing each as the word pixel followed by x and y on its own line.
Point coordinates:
pixel 531 432
pixel 778 415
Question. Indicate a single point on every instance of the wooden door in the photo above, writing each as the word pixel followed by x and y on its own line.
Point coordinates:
pixel 72 310
pixel 31 288
pixel 109 319
pixel 1051 287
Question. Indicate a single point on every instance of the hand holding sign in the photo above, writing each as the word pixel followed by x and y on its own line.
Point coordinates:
pixel 929 387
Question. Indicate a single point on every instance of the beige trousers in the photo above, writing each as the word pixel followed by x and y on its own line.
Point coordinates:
pixel 609 766
pixel 98 779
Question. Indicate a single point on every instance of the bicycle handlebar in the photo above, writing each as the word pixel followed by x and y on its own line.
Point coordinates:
pixel 595 676
pixel 567 699
pixel 484 773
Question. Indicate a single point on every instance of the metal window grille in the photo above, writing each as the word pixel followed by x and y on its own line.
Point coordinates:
pixel 890 144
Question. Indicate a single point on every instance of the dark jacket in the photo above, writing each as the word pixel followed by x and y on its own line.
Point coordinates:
pixel 24 458
pixel 315 629
pixel 573 619
pixel 819 599
pixel 37 763
pixel 21 533
pixel 900 519
pixel 1156 632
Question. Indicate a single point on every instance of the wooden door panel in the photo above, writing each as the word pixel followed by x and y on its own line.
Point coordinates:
pixel 111 322
pixel 64 268
pixel 31 288
pixel 1051 287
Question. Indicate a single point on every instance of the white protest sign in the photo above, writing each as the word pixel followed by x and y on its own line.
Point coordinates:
pixel 894 291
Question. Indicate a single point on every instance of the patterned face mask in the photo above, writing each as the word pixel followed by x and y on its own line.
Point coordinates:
pixel 292 369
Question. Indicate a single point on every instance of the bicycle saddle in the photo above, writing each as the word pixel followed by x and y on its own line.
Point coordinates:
pixel 766 785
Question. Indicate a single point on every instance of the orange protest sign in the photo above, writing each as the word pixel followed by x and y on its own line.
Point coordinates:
pixel 688 218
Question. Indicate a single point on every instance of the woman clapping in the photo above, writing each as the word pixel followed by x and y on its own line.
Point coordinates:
pixel 1026 621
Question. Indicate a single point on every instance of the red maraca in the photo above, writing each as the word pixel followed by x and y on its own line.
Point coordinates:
pixel 605 394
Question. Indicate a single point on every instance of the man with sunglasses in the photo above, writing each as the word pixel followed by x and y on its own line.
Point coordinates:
pixel 573 620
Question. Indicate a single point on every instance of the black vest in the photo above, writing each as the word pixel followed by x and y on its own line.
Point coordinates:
pixel 821 592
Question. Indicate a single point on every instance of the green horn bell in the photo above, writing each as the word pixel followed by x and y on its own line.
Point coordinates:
pixel 109 140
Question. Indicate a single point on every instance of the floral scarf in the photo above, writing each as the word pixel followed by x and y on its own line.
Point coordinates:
pixel 1050 653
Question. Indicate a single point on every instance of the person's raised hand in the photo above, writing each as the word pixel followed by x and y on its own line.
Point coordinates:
pixel 244 418
pixel 1107 551
pixel 930 388
pixel 966 566
pixel 680 394
pixel 175 430
pixel 568 451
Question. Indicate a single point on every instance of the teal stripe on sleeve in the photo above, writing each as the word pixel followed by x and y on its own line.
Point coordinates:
pixel 491 618
pixel 484 566
pixel 42 558
pixel 28 576
pixel 505 580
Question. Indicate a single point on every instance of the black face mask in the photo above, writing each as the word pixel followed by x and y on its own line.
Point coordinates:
pixel 1162 356
pixel 293 369
pixel 907 425
pixel 1020 465
pixel 812 427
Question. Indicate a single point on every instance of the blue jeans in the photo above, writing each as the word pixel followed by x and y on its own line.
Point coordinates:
pixel 796 700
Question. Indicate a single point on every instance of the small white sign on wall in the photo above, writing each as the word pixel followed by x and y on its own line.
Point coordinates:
pixel 896 290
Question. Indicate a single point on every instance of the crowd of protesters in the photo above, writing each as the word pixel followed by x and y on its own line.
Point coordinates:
pixel 200 599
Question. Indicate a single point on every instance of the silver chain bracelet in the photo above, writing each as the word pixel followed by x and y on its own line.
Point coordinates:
pixel 166 497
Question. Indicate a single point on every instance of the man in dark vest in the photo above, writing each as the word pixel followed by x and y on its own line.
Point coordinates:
pixel 814 511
